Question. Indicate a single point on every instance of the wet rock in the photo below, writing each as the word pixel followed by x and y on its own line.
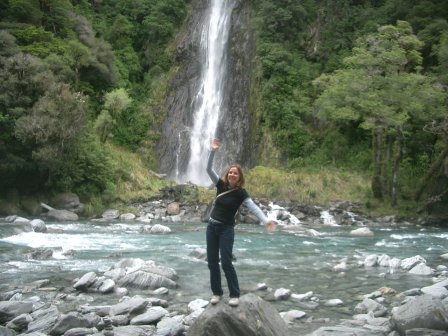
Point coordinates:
pixel 409 263
pixel 171 326
pixel 133 330
pixel 4 331
pixel 40 253
pixel 107 286
pixel 81 331
pixel 282 294
pixel 44 319
pixel 292 315
pixel 110 214
pixel 199 253
pixel 21 220
pixel 345 331
pixel 151 316
pixel 131 306
pixel 197 304
pixel 86 280
pixel 334 303
pixel 19 323
pixel 11 309
pixel 421 269
pixel 62 215
pixel 425 332
pixel 253 317
pixel 74 320
pixel 362 232
pixel 38 225
pixel 371 260
pixel 369 305
pixel 127 216
pixel 424 311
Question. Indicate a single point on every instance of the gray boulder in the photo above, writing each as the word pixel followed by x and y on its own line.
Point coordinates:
pixel 424 311
pixel 346 331
pixel 151 316
pixel 86 280
pixel 66 201
pixel 171 326
pixel 132 306
pixel 426 332
pixel 141 279
pixel 38 225
pixel 44 319
pixel 62 215
pixel 19 323
pixel 253 317
pixel 4 331
pixel 12 309
pixel 134 330
pixel 74 320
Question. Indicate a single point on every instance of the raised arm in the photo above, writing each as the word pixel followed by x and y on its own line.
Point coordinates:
pixel 214 147
pixel 255 209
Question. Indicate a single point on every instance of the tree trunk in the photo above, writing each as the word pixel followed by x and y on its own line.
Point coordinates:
pixel 377 189
pixel 432 170
pixel 387 166
pixel 395 173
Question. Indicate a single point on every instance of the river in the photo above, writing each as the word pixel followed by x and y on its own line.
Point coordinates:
pixel 280 260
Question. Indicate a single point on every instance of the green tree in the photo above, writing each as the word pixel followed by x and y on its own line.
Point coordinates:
pixel 53 127
pixel 115 103
pixel 382 90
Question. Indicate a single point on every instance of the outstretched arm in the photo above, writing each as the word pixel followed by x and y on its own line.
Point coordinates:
pixel 255 209
pixel 214 147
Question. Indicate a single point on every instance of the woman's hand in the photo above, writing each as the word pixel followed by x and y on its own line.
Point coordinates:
pixel 271 226
pixel 215 144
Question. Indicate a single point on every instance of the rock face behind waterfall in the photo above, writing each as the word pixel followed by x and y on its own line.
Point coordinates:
pixel 182 88
pixel 242 141
pixel 236 106
pixel 253 317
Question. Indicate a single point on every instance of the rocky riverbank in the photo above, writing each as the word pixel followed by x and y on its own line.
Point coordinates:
pixel 140 297
pixel 107 304
pixel 181 203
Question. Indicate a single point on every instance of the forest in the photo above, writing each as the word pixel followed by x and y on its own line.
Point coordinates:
pixel 355 85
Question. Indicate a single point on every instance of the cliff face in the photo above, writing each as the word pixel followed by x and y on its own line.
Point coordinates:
pixel 239 124
pixel 236 122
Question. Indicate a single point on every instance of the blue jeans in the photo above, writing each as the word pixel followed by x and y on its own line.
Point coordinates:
pixel 220 239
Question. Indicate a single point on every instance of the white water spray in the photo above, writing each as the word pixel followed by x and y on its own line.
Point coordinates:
pixel 208 100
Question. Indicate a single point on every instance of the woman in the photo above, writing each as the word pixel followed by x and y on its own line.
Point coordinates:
pixel 220 229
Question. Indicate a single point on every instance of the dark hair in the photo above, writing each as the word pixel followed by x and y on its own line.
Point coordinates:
pixel 240 183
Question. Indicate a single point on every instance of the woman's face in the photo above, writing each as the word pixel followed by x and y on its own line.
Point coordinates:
pixel 233 176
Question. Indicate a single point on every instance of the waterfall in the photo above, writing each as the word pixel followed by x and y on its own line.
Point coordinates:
pixel 207 104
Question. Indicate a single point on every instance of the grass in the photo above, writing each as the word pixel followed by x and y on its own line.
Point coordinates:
pixel 307 186
pixel 134 182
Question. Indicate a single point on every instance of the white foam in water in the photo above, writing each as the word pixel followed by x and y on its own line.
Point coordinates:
pixel 352 216
pixel 328 219
pixel 67 241
pixel 388 244
pixel 406 236
pixel 275 210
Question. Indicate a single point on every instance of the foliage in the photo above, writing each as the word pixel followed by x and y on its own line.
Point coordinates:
pixel 381 90
pixel 70 69
pixel 64 72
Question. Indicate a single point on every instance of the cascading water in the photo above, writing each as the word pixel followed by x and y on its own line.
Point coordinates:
pixel 207 103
